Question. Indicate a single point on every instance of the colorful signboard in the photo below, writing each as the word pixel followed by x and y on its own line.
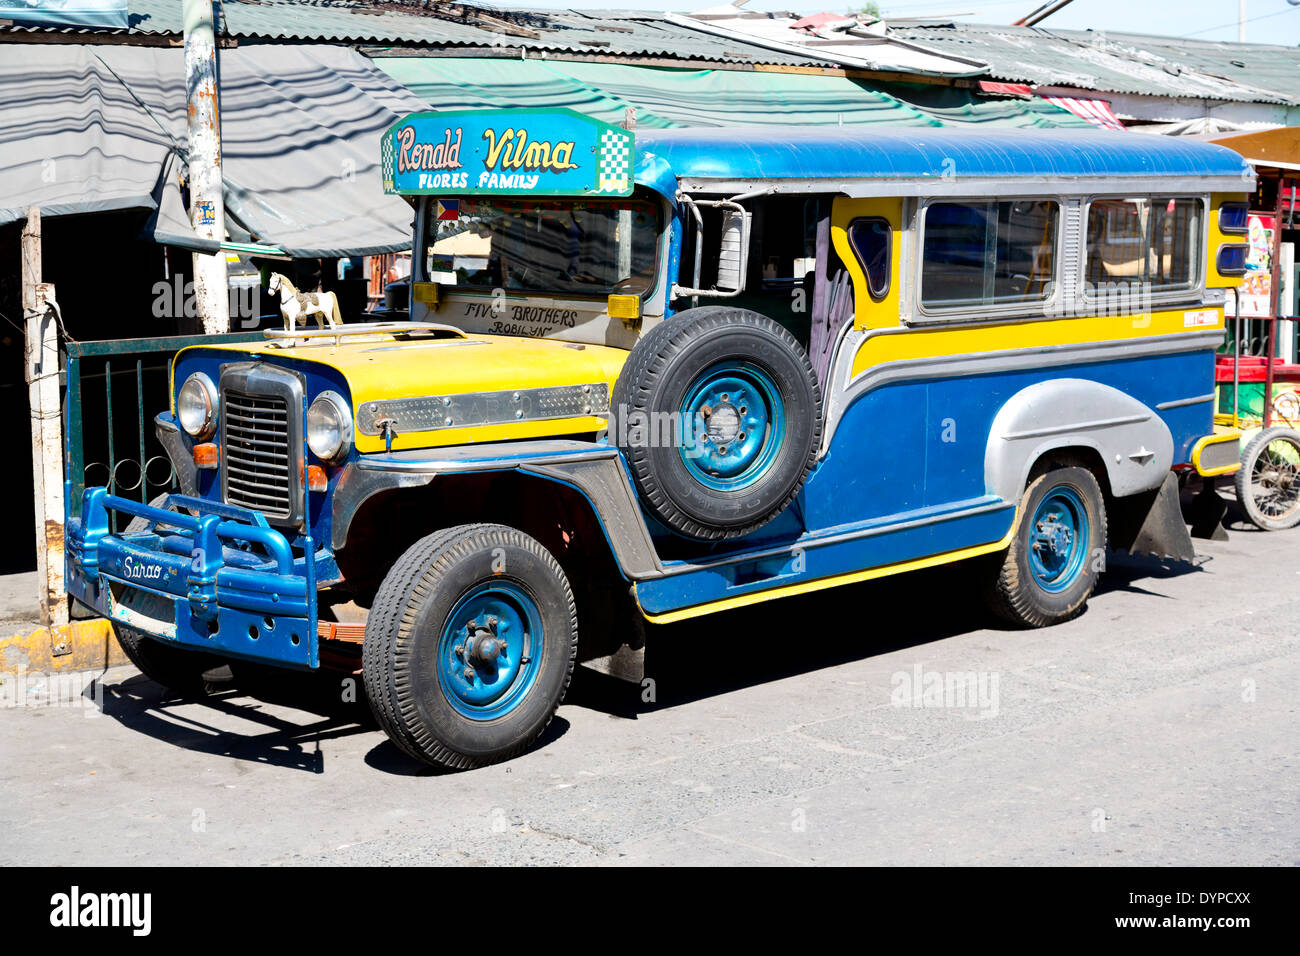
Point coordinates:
pixel 1257 285
pixel 544 152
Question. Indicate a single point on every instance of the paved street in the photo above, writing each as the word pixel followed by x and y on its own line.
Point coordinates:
pixel 1159 728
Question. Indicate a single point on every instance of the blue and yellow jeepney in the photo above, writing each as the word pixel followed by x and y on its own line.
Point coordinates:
pixel 651 375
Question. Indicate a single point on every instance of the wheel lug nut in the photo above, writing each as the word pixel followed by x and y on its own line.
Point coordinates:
pixel 469 673
pixel 460 650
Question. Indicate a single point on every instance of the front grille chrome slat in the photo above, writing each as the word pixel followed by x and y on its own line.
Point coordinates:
pixel 256 453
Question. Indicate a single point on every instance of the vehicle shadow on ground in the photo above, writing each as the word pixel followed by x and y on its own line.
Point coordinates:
pixel 203 724
pixel 720 653
pixel 687 661
pixel 723 652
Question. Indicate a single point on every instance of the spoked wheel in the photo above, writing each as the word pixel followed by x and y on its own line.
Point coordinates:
pixel 1268 484
pixel 1049 570
pixel 470 646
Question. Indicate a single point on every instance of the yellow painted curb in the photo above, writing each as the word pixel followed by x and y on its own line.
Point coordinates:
pixel 90 644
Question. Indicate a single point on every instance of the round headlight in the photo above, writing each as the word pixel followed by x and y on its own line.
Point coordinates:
pixel 329 426
pixel 196 405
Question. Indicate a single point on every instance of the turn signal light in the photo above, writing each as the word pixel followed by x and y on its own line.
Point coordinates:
pixel 206 455
pixel 316 479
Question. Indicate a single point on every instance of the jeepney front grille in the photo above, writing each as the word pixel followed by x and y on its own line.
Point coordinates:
pixel 256 456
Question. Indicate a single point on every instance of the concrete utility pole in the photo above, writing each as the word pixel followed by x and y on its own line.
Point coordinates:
pixel 207 208
pixel 1241 21
pixel 42 367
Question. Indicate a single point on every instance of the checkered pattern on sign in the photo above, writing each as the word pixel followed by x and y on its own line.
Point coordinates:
pixel 388 163
pixel 615 167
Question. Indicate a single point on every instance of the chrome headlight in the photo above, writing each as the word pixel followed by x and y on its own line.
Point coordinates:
pixel 197 405
pixel 329 426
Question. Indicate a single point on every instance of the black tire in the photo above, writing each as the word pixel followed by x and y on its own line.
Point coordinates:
pixel 404 646
pixel 1015 593
pixel 1268 483
pixel 180 671
pixel 184 673
pixel 668 362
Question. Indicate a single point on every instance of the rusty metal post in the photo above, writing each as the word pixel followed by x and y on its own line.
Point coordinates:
pixel 42 369
pixel 207 207
pixel 1274 299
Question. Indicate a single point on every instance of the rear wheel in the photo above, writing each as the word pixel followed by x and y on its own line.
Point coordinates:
pixel 470 646
pixel 1051 567
pixel 1268 484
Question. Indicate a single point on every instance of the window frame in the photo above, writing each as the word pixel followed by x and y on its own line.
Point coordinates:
pixel 1036 308
pixel 889 256
pixel 1195 290
pixel 666 219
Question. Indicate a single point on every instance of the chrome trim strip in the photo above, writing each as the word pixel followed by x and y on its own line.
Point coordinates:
pixel 1074 353
pixel 877 529
pixel 430 413
pixel 1180 403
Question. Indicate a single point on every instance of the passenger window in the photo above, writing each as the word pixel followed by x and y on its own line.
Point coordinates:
pixel 988 253
pixel 1153 243
pixel 871 239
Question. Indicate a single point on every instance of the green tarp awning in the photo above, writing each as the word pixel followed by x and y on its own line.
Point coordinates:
pixel 670 97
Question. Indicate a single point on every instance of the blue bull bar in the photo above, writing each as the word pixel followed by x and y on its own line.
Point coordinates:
pixel 193 580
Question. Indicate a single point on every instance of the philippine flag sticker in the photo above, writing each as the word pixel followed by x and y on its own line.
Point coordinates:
pixel 448 208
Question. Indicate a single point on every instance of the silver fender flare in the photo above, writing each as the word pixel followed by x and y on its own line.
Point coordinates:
pixel 1133 441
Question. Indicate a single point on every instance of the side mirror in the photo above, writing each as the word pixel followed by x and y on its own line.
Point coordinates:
pixel 733 253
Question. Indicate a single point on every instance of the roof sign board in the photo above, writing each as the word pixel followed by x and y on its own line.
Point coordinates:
pixel 541 152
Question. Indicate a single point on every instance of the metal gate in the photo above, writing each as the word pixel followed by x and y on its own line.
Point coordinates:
pixel 114 388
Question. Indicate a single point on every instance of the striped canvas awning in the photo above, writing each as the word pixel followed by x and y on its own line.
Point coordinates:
pixel 1096 112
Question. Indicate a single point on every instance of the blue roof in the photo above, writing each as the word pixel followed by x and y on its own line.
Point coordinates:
pixel 919 153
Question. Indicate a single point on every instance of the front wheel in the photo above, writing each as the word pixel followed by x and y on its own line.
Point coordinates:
pixel 184 672
pixel 470 646
pixel 1057 549
pixel 1268 484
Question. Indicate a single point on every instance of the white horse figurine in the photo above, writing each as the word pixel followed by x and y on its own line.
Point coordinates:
pixel 295 305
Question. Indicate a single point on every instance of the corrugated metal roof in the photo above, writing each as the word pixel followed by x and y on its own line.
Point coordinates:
pixel 1264 65
pixel 706 97
pixel 591 32
pixel 1116 63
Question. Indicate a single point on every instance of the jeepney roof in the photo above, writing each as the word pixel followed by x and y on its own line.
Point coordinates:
pixel 721 159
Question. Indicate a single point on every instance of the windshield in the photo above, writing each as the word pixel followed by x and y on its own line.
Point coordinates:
pixel 570 248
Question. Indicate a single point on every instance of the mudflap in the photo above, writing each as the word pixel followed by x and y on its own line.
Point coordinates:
pixel 1151 523
pixel 1205 513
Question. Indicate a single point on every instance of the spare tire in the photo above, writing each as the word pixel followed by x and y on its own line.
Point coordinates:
pixel 718 414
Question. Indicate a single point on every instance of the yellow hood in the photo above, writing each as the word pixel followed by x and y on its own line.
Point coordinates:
pixel 381 368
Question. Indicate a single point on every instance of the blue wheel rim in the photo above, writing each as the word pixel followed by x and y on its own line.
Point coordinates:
pixel 490 650
pixel 743 421
pixel 1058 539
